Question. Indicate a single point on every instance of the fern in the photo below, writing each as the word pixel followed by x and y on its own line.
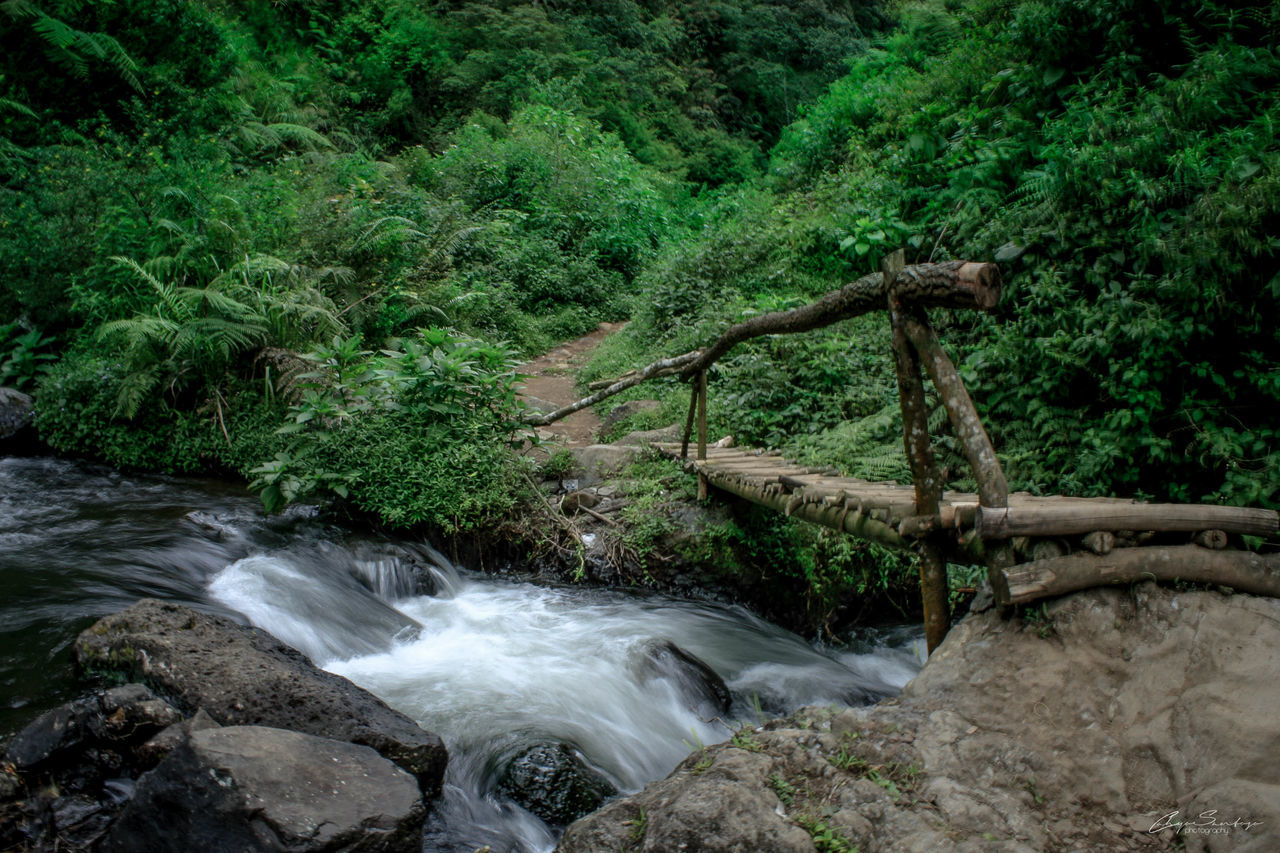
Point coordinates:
pixel 71 48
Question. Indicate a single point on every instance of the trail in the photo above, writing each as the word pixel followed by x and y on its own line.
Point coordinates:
pixel 550 379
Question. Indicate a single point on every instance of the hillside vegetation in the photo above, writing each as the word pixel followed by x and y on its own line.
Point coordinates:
pixel 307 242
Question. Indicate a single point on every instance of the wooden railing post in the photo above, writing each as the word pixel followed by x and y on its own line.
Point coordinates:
pixel 702 431
pixel 688 420
pixel 934 592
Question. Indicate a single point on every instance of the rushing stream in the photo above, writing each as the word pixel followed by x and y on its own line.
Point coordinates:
pixel 492 665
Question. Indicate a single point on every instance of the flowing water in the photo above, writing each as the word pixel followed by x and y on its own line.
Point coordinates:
pixel 494 666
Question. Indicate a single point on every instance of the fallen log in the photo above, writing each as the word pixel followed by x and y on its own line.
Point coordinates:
pixel 1243 571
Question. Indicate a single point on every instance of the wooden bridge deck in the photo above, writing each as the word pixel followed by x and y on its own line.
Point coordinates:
pixel 1050 545
pixel 822 495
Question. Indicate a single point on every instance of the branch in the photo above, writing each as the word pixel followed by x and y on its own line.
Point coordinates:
pixel 661 367
pixel 953 284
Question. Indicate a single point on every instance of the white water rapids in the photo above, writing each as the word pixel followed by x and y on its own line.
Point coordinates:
pixel 487 663
pixel 493 666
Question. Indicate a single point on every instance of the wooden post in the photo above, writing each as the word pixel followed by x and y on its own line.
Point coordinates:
pixel 688 420
pixel 927 479
pixel 993 489
pixel 702 431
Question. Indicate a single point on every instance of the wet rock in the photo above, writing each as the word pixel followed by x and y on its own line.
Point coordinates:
pixel 17 411
pixel 702 687
pixel 153 751
pixel 263 789
pixel 1073 733
pixel 118 717
pixel 131 714
pixel 728 806
pixel 60 731
pixel 554 782
pixel 244 676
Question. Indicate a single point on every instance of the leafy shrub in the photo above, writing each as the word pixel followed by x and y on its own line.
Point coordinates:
pixel 419 435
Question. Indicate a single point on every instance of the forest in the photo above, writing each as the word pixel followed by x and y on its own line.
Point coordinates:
pixel 305 243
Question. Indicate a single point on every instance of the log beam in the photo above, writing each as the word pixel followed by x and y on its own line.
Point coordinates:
pixel 1243 571
pixel 1080 517
pixel 836 517
pixel 953 284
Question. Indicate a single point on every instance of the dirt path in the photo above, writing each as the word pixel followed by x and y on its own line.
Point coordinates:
pixel 551 379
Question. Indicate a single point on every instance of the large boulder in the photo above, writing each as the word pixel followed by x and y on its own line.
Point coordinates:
pixel 227 790
pixel 1106 720
pixel 243 676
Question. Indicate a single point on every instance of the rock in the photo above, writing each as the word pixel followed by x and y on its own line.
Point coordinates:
pixel 703 688
pixel 118 718
pixel 554 782
pixel 153 751
pixel 641 438
pixel 1076 732
pixel 244 676
pixel 263 789
pixel 10 784
pixel 571 502
pixel 17 411
pixel 539 405
pixel 728 806
pixel 57 732
pixel 131 713
pixel 626 410
pixel 600 461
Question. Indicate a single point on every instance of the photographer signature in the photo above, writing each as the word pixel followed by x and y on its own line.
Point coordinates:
pixel 1205 822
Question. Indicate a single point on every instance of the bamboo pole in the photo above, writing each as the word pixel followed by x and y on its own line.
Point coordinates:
pixel 952 284
pixel 661 367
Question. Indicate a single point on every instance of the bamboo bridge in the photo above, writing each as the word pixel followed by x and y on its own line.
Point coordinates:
pixel 1033 546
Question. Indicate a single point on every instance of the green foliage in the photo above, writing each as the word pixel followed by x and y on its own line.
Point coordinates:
pixel 1120 163
pixel 23 361
pixel 416 435
pixel 826 838
pixel 785 790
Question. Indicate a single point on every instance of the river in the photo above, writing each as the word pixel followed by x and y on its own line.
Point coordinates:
pixel 492 665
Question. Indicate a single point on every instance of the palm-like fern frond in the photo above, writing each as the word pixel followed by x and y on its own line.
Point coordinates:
pixel 71 48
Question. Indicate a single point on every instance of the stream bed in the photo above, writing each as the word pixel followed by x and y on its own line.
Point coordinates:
pixel 494 666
